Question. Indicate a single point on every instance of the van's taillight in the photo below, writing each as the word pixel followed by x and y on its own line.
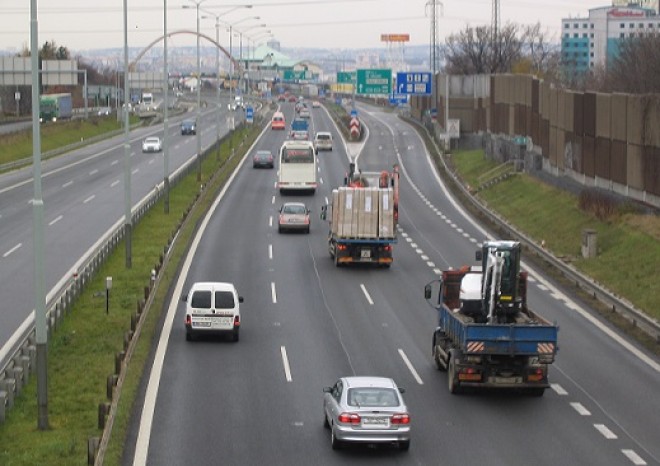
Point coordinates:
pixel 188 319
pixel 237 321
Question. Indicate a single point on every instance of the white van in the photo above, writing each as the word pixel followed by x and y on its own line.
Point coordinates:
pixel 212 308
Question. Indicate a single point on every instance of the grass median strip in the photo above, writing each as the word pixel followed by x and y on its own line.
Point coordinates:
pixel 82 350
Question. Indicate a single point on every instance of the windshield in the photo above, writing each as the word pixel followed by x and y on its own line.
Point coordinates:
pixel 372 397
pixel 302 155
pixel 294 209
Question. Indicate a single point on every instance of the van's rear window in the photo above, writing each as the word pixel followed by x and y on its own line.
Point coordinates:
pixel 201 299
pixel 224 300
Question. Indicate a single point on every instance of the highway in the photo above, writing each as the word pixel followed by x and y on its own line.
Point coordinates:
pixel 83 194
pixel 306 323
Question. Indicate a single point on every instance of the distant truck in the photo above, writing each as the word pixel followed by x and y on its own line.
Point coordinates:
pixel 53 107
pixel 486 335
pixel 362 225
pixel 299 124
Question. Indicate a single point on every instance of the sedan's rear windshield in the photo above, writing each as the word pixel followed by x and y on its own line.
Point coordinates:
pixel 372 397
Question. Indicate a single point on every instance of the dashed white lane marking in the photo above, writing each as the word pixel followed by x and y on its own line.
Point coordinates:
pixel 270 251
pixel 270 221
pixel 273 293
pixel 321 180
pixel 424 257
pixel 326 201
pixel 607 433
pixel 151 161
pixel 12 250
pixel 114 162
pixel 285 362
pixel 542 287
pixel 430 264
pixel 582 411
pixel 559 390
pixel 89 199
pixel 410 367
pixel 135 171
pixel 55 220
pixel 634 457
pixel 417 250
pixel 93 172
pixel 114 183
pixel 67 184
pixel 366 294
pixel 437 271
pixel 273 201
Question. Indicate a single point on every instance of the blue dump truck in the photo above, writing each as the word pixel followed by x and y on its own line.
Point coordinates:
pixel 53 107
pixel 486 335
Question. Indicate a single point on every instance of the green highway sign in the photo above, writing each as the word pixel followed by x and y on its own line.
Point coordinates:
pixel 291 75
pixel 345 77
pixel 376 81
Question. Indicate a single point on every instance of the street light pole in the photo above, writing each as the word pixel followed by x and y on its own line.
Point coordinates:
pixel 199 102
pixel 41 321
pixel 166 123
pixel 128 221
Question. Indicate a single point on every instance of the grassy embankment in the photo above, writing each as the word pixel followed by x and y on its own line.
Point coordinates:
pixel 628 240
pixel 18 145
pixel 82 350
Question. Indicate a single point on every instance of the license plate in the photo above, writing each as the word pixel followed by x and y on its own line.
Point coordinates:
pixel 376 422
pixel 365 253
pixel 507 380
pixel 201 324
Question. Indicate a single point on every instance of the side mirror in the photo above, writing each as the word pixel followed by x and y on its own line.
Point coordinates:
pixel 478 256
pixel 240 299
pixel 184 298
pixel 402 390
pixel 427 292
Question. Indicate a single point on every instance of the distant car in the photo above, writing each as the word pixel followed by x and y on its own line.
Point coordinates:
pixel 212 308
pixel 237 103
pixel 263 158
pixel 322 141
pixel 304 113
pixel 281 98
pixel 104 111
pixel 316 104
pixel 293 98
pixel 152 144
pixel 299 135
pixel 293 216
pixel 366 410
pixel 278 122
pixel 188 127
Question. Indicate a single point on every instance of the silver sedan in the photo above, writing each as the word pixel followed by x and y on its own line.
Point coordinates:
pixel 366 410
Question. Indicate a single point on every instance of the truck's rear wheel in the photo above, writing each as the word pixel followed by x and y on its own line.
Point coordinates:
pixel 454 386
pixel 437 357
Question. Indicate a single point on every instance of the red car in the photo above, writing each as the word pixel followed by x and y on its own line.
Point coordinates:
pixel 293 98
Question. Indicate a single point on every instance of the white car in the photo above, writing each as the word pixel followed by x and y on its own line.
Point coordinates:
pixel 212 308
pixel 152 144
pixel 322 141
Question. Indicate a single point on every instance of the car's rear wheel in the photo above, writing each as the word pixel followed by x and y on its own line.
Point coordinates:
pixel 334 441
pixel 189 336
pixel 326 424
pixel 235 335
pixel 404 445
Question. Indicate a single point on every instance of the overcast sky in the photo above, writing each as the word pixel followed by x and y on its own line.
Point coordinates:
pixel 338 24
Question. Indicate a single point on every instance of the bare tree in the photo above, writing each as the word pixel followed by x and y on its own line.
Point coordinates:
pixel 636 68
pixel 473 50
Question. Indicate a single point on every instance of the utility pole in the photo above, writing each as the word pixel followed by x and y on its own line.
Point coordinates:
pixel 495 26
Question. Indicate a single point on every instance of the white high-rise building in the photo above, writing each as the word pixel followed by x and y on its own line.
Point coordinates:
pixel 594 40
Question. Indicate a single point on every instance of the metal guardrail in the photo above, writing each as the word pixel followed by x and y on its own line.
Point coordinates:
pixel 18 356
pixel 616 303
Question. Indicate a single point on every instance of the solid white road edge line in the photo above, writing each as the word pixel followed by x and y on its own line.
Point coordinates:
pixel 149 407
pixel 410 367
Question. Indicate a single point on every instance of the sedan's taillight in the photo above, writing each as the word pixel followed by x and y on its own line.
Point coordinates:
pixel 349 418
pixel 400 419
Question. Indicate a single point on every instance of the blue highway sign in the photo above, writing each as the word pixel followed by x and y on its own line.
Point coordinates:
pixel 417 83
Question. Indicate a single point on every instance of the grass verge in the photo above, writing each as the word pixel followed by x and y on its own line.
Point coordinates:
pixel 18 145
pixel 82 350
